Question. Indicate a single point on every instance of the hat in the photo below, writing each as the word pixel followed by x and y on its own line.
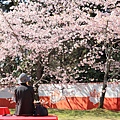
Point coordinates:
pixel 23 78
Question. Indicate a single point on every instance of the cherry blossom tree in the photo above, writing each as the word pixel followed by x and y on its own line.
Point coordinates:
pixel 62 41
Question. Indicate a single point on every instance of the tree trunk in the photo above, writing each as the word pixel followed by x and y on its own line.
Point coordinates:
pixel 104 84
pixel 103 95
pixel 107 69
pixel 39 71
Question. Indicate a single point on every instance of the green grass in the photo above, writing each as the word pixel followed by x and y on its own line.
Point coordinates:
pixel 94 114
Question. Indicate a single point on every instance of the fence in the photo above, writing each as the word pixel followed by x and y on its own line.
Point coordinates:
pixel 80 96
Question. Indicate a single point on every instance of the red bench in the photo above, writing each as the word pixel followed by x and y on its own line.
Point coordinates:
pixel 4 110
pixel 49 117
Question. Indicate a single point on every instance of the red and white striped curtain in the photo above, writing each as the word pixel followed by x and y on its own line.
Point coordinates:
pixel 80 96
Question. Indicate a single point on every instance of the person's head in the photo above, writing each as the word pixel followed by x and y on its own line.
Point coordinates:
pixel 23 78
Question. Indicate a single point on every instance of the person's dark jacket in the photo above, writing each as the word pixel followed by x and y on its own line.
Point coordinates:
pixel 24 97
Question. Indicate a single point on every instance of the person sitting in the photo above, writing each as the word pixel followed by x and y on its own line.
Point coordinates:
pixel 24 97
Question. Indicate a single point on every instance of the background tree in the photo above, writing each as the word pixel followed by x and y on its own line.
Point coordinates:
pixel 62 41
